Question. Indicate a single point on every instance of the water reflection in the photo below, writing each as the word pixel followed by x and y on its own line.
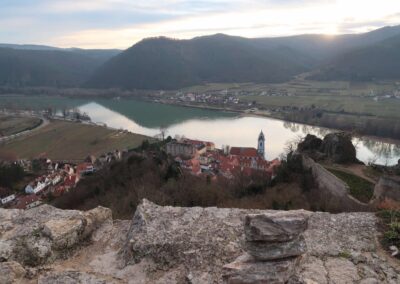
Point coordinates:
pixel 221 127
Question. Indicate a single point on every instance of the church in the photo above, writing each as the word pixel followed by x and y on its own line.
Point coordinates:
pixel 250 152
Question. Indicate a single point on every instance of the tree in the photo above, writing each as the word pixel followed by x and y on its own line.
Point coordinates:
pixel 163 131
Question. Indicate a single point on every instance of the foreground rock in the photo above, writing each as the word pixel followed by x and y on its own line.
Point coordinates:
pixel 43 234
pixel 274 245
pixel 188 245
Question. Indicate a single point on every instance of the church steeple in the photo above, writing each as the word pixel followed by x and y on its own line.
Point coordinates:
pixel 261 145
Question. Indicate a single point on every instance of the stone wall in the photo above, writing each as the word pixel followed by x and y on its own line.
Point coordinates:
pixel 332 194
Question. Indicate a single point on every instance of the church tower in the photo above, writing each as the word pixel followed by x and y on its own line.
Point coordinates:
pixel 261 145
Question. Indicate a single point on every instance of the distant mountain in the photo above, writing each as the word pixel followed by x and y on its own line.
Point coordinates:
pixel 378 61
pixel 162 63
pixel 34 65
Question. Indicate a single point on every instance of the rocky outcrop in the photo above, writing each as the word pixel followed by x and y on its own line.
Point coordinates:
pixel 387 193
pixel 337 147
pixel 43 234
pixel 164 244
pixel 331 193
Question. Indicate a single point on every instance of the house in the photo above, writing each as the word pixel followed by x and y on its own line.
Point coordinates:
pixel 29 189
pixel 8 199
pixel 84 168
pixel 186 150
pixel 27 202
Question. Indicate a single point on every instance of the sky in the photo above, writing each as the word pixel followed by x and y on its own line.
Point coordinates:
pixel 122 23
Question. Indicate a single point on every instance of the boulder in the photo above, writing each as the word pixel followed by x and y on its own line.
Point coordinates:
pixel 11 272
pixel 275 227
pixel 310 143
pixel 387 193
pixel 42 234
pixel 276 250
pixel 64 233
pixel 339 148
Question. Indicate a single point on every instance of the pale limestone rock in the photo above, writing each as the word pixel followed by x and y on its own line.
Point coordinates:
pixel 95 218
pixel 341 271
pixel 11 272
pixel 43 234
pixel 313 271
pixel 64 233
pixel 275 227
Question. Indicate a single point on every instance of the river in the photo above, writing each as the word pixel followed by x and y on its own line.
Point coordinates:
pixel 223 128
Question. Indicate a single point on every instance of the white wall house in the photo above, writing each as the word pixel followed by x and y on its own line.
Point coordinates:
pixel 8 199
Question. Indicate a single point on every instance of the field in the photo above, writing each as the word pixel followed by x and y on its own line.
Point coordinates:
pixel 70 141
pixel 10 125
pixel 332 96
pixel 360 188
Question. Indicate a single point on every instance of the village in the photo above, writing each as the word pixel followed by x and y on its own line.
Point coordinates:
pixel 193 156
pixel 203 158
pixel 56 179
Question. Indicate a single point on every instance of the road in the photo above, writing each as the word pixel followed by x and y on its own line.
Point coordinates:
pixel 44 123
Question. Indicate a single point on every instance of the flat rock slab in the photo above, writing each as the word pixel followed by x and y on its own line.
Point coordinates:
pixel 276 250
pixel 248 270
pixel 275 227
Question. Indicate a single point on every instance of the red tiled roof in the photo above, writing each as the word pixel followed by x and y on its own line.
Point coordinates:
pixel 26 200
pixel 244 151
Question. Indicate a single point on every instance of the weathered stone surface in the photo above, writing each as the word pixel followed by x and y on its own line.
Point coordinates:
pixel 191 245
pixel 248 270
pixel 96 218
pixel 42 234
pixel 313 271
pixel 331 194
pixel 276 250
pixel 275 227
pixel 341 271
pixel 70 277
pixel 64 233
pixel 11 272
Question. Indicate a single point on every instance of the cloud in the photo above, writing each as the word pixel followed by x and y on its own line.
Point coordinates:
pixel 121 23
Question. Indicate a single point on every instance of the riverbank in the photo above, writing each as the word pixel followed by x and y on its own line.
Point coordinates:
pixel 62 140
pixel 277 116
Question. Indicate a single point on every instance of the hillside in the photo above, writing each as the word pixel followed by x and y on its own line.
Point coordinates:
pixel 22 66
pixel 379 61
pixel 162 63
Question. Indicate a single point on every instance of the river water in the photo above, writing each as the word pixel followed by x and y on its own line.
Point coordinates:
pixel 221 127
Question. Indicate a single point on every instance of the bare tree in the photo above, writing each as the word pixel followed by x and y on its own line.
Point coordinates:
pixel 163 131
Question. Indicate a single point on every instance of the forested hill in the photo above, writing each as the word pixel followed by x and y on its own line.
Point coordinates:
pixel 379 61
pixel 162 63
pixel 47 66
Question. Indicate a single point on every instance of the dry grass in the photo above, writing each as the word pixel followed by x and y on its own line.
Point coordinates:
pixel 10 125
pixel 69 141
